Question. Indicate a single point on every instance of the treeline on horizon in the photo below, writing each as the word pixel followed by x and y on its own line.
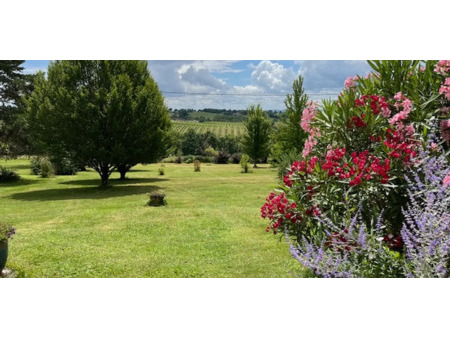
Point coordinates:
pixel 214 114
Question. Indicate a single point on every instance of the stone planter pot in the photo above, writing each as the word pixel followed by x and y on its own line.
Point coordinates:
pixel 157 199
pixel 3 254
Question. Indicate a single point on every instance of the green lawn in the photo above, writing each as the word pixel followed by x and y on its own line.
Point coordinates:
pixel 67 227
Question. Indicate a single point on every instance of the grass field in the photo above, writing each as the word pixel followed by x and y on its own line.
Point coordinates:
pixel 218 128
pixel 67 227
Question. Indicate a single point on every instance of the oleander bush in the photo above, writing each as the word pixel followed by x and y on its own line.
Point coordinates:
pixel 352 249
pixel 357 153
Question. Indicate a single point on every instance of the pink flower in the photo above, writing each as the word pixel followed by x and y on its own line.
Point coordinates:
pixel 422 68
pixel 307 116
pixel 442 67
pixel 309 146
pixel 349 83
pixel 410 130
pixel 385 111
pixel 447 81
pixel 446 181
pixel 445 130
pixel 445 90
pixel 398 96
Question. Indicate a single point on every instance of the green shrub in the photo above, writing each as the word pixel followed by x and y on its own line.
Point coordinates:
pixel 47 169
pixel 64 166
pixel 222 157
pixel 36 165
pixel 197 165
pixel 210 152
pixel 170 159
pixel 161 170
pixel 7 175
pixel 236 158
pixel 204 159
pixel 245 159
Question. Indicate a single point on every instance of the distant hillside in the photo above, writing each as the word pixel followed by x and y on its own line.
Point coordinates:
pixel 218 128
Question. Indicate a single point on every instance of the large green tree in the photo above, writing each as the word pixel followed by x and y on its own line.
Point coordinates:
pixel 256 139
pixel 106 114
pixel 288 135
pixel 14 84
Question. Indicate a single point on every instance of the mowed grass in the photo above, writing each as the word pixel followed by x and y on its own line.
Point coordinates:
pixel 211 227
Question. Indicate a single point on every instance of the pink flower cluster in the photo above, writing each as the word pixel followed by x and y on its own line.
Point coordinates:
pixel 404 104
pixel 445 89
pixel 307 116
pixel 442 67
pixel 447 180
pixel 445 130
pixel 350 82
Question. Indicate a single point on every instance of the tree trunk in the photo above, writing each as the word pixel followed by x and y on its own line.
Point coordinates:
pixel 254 165
pixel 123 174
pixel 104 175
pixel 123 169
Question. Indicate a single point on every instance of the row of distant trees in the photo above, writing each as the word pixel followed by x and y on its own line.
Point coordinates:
pixel 222 114
pixel 111 115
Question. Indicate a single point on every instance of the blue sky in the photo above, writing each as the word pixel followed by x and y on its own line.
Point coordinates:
pixel 237 84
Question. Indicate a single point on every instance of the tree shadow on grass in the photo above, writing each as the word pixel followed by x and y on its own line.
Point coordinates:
pixel 115 182
pixel 84 193
pixel 21 181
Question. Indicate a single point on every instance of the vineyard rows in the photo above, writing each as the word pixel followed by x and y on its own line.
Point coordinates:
pixel 218 128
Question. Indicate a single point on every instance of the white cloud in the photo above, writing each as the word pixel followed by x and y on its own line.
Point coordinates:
pixel 273 77
pixel 200 79
pixel 266 77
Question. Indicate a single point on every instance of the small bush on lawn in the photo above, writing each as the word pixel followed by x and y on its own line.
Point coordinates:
pixel 245 159
pixel 47 169
pixel 36 165
pixel 64 166
pixel 197 165
pixel 236 158
pixel 222 157
pixel 157 199
pixel 161 170
pixel 7 175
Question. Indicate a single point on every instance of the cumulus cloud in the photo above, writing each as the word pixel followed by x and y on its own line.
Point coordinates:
pixel 273 77
pixel 256 78
pixel 201 79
